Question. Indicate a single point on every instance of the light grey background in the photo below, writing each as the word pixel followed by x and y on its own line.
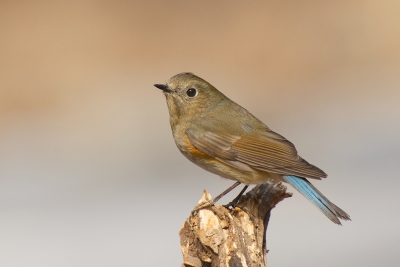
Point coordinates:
pixel 89 172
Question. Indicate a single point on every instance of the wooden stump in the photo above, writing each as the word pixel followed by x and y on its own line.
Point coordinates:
pixel 217 236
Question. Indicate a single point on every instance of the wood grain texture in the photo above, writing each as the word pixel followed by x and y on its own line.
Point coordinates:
pixel 217 236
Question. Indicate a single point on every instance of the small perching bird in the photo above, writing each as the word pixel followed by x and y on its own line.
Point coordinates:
pixel 222 137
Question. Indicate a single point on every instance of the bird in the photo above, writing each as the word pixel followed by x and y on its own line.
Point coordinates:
pixel 220 136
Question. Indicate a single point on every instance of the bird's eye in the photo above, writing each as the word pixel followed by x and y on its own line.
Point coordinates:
pixel 191 92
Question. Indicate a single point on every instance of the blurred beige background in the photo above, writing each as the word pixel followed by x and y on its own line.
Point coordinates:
pixel 88 164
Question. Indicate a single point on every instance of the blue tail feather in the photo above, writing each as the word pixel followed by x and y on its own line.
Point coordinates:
pixel 317 198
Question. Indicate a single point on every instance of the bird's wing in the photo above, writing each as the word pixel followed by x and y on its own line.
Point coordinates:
pixel 264 150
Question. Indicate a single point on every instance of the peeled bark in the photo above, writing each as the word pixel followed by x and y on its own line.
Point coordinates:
pixel 217 236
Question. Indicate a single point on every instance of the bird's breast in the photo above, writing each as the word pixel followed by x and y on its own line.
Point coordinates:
pixel 183 142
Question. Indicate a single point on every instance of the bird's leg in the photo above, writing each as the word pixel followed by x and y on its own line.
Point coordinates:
pixel 212 201
pixel 236 199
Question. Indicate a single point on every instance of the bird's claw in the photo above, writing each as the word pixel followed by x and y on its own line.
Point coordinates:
pixel 203 205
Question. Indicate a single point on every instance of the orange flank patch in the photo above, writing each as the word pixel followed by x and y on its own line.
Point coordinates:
pixel 194 151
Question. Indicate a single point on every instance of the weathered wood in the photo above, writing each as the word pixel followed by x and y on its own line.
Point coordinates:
pixel 217 236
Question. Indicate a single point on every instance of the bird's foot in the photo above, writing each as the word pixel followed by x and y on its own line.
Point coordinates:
pixel 230 205
pixel 202 205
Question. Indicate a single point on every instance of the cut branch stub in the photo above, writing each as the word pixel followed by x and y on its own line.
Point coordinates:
pixel 217 236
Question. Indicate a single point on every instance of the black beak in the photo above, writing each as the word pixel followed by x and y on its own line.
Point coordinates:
pixel 163 87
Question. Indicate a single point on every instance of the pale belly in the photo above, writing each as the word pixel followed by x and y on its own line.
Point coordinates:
pixel 250 176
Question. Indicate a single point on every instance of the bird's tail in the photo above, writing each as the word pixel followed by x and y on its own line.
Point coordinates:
pixel 333 212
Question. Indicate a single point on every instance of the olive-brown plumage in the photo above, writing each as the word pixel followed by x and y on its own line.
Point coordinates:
pixel 222 137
